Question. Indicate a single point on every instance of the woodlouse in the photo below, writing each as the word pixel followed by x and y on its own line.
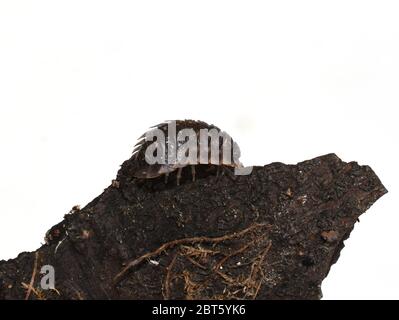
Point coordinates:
pixel 211 149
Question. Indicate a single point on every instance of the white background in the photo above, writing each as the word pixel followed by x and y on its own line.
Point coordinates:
pixel 289 80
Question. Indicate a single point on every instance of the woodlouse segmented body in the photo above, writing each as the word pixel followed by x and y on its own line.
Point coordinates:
pixel 180 143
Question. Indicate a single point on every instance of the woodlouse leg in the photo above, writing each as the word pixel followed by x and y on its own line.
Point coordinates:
pixel 166 177
pixel 178 176
pixel 193 172
pixel 229 173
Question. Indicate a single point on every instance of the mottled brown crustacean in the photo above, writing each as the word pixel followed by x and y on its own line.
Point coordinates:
pixel 226 150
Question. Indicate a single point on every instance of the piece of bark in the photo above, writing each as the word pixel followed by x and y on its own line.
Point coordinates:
pixel 273 234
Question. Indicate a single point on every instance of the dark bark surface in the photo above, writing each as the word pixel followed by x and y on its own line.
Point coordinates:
pixel 271 235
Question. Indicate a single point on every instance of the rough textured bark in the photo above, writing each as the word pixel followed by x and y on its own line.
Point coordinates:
pixel 271 235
